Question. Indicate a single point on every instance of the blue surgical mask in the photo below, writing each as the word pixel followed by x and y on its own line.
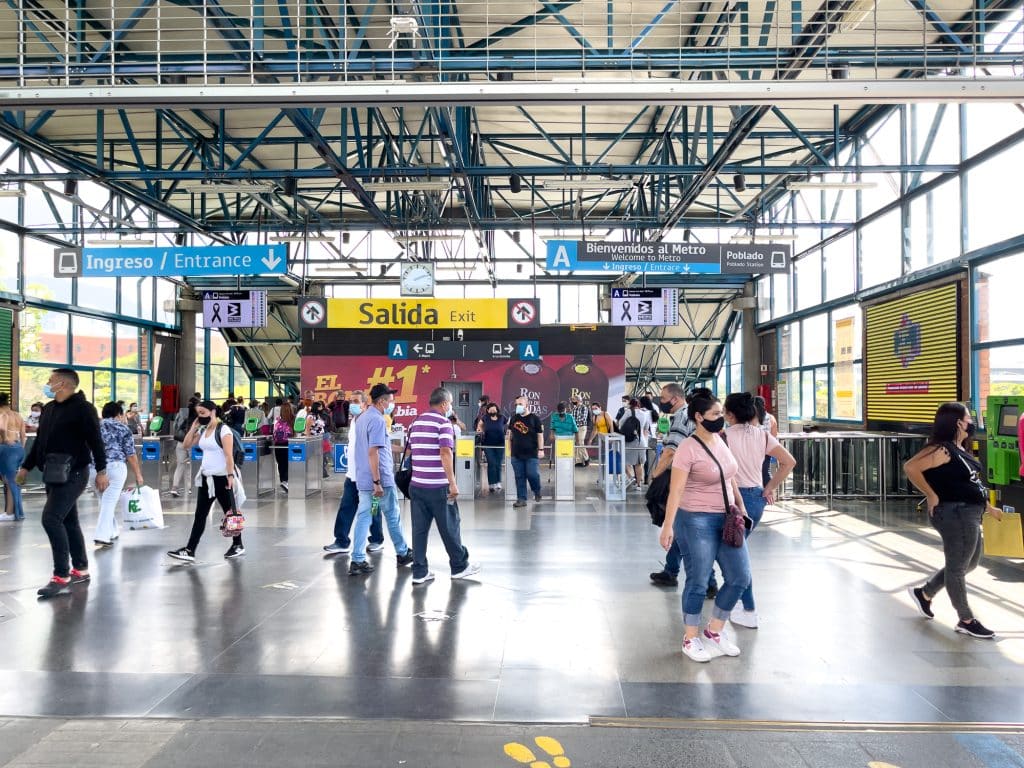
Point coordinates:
pixel 390 408
pixel 48 392
pixel 448 413
pixel 355 409
pixel 520 410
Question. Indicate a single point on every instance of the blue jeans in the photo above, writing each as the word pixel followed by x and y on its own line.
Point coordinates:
pixel 700 537
pixel 526 470
pixel 495 458
pixel 431 505
pixel 754 503
pixel 389 509
pixel 11 457
pixel 673 559
pixel 347 508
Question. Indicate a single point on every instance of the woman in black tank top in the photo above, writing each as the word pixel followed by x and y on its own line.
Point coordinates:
pixel 950 478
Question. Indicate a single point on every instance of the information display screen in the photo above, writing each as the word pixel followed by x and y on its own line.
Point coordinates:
pixel 1009 415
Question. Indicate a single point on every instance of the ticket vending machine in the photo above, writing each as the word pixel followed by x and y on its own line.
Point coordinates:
pixel 1002 445
pixel 465 466
pixel 565 469
pixel 151 461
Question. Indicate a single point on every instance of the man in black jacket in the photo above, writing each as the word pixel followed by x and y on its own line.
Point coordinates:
pixel 68 437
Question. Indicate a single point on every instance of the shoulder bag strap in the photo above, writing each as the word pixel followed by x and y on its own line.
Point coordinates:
pixel 721 473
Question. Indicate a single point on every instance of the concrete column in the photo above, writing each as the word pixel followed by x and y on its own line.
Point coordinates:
pixel 187 357
pixel 748 340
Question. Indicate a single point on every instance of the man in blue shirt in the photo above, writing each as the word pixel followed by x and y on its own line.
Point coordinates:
pixel 375 480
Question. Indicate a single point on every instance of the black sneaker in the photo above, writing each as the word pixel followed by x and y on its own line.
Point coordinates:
pixel 79 577
pixel 712 591
pixel 184 554
pixel 922 603
pixel 359 569
pixel 56 586
pixel 405 559
pixel 663 579
pixel 974 628
pixel 520 503
pixel 538 497
pixel 235 550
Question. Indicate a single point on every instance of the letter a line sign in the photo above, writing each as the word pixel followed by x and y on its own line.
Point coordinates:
pixel 398 350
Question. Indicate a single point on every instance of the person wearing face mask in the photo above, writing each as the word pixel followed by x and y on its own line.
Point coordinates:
pixel 12 453
pixel 526 438
pixel 695 517
pixel 120 449
pixel 600 423
pixel 481 414
pixel 674 401
pixel 433 491
pixel 132 419
pixel 375 479
pixel 349 503
pixel 563 424
pixel 216 479
pixel 69 434
pixel 491 430
pixel 581 414
pixel 950 478
pixel 32 421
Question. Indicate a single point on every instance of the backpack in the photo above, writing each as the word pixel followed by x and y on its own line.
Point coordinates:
pixel 237 417
pixel 630 428
pixel 339 415
pixel 237 451
pixel 282 432
pixel 180 425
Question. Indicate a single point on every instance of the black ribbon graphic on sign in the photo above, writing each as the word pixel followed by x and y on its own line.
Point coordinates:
pixel 216 313
pixel 625 311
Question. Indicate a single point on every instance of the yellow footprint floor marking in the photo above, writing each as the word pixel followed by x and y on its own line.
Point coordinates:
pixel 523 754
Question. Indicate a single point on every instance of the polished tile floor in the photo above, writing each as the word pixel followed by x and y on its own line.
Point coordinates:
pixel 562 624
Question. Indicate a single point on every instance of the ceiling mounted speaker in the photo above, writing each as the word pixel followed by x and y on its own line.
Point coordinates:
pixel 289 186
pixel 515 184
pixel 179 238
pixel 739 182
pixel 71 187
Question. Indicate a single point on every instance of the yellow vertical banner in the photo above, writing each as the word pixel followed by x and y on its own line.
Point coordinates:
pixel 844 405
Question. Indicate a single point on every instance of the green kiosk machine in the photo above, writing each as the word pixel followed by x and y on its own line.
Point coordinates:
pixel 1002 446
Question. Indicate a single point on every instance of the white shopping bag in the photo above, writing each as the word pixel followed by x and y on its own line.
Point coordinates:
pixel 239 491
pixel 144 510
pixel 122 505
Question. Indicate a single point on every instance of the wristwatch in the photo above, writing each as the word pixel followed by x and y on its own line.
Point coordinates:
pixel 376 482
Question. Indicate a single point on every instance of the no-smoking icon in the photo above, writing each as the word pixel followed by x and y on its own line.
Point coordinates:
pixel 312 312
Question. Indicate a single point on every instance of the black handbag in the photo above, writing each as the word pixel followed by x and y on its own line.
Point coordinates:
pixel 57 468
pixel 735 530
pixel 403 476
pixel 657 497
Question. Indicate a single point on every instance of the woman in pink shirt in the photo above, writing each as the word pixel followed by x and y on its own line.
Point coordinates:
pixel 695 517
pixel 751 445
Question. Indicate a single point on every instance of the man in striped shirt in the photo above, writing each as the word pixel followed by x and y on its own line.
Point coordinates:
pixel 433 490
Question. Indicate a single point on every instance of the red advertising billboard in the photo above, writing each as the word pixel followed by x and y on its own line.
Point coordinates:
pixel 562 370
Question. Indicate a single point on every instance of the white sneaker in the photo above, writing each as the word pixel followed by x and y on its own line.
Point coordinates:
pixel 6 518
pixel 424 579
pixel 470 570
pixel 497 488
pixel 375 547
pixel 742 618
pixel 695 650
pixel 717 641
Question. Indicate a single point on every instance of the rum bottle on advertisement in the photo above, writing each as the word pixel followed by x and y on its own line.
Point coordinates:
pixel 536 382
pixel 581 378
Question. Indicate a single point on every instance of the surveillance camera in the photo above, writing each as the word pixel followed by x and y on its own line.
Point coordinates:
pixel 459 335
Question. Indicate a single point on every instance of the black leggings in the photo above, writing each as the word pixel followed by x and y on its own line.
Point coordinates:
pixel 225 497
pixel 281 454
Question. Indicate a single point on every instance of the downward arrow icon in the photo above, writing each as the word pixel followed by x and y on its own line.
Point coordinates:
pixel 271 261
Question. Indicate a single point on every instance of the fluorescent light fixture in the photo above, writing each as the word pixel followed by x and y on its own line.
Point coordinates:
pixel 301 239
pixel 119 241
pixel 855 15
pixel 440 236
pixel 764 238
pixel 832 184
pixel 587 184
pixel 412 185
pixel 239 188
pixel 12 192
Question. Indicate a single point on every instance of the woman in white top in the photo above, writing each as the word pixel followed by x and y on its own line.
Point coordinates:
pixel 770 425
pixel 751 445
pixel 216 479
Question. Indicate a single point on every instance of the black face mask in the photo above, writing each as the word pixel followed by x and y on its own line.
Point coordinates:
pixel 493 414
pixel 204 420
pixel 714 425
pixel 972 428
pixel 665 407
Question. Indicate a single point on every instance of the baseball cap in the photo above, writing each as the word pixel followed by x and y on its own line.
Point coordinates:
pixel 379 390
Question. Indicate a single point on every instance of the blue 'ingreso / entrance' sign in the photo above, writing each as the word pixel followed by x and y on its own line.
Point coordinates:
pixel 200 261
